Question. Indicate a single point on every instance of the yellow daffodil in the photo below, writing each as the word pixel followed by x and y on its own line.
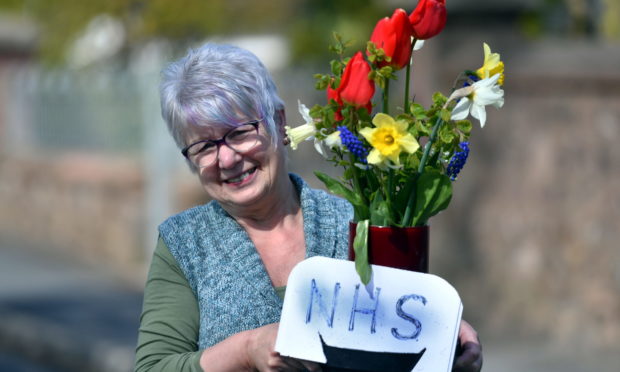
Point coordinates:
pixel 491 66
pixel 388 139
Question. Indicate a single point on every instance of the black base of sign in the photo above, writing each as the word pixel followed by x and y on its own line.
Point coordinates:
pixel 352 360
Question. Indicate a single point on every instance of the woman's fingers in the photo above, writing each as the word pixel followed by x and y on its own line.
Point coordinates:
pixel 265 359
pixel 292 364
pixel 470 358
pixel 306 365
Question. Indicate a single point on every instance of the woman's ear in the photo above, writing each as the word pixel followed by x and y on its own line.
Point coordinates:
pixel 281 123
pixel 280 118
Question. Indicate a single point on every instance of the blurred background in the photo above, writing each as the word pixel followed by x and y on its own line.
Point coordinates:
pixel 88 171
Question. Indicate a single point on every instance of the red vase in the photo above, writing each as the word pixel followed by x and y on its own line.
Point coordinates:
pixel 398 247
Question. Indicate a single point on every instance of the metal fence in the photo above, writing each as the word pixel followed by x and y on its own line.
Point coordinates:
pixel 103 113
pixel 55 110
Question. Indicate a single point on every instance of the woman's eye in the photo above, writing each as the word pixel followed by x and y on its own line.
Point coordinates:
pixel 239 133
pixel 202 147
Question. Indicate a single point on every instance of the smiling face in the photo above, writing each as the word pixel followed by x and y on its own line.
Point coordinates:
pixel 244 182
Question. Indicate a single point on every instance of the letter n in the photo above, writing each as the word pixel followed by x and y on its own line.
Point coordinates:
pixel 315 294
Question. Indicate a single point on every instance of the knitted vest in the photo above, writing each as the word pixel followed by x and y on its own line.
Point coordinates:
pixel 224 269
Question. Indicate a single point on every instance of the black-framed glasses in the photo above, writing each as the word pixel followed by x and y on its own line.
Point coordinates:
pixel 241 139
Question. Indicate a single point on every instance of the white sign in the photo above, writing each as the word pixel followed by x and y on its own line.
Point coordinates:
pixel 401 321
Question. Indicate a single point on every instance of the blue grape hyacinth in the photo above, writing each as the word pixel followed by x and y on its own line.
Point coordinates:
pixel 458 161
pixel 353 144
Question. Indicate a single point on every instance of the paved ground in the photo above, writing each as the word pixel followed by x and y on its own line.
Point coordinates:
pixel 58 316
pixel 503 356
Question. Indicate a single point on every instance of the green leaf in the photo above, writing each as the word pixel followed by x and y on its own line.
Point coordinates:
pixel 402 196
pixel 439 99
pixel 379 211
pixel 464 126
pixel 337 188
pixel 387 72
pixel 417 111
pixel 433 194
pixel 360 247
pixel 371 47
pixel 413 162
pixel 334 83
pixel 336 67
pixel 445 115
pixel 446 135
pixel 316 111
pixel 348 171
pixel 422 129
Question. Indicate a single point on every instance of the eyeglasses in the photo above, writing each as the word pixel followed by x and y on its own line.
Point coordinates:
pixel 240 139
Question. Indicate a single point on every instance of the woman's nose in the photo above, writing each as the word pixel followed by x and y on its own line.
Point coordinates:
pixel 227 157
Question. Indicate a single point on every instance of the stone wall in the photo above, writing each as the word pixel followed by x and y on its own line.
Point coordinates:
pixel 82 205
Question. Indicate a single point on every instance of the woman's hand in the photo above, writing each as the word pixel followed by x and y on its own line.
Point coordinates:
pixel 470 357
pixel 262 357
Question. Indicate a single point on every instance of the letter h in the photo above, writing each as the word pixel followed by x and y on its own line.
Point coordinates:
pixel 372 311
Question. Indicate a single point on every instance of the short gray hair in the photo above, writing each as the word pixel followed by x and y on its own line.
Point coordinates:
pixel 213 85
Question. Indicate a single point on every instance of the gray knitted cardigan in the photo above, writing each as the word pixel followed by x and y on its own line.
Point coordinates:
pixel 224 269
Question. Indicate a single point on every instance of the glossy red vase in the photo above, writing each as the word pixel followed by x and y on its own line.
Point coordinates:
pixel 398 247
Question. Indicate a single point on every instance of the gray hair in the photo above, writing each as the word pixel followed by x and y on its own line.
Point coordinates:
pixel 212 86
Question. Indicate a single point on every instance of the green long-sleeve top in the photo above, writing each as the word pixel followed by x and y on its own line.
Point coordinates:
pixel 170 320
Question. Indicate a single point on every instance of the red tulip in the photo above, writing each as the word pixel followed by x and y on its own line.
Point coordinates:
pixel 428 18
pixel 355 87
pixel 394 36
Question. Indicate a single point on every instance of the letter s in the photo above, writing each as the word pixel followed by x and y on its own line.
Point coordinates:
pixel 408 317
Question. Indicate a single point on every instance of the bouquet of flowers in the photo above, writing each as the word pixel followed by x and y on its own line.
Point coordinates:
pixel 398 166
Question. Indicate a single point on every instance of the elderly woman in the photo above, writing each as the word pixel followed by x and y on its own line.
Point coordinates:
pixel 214 292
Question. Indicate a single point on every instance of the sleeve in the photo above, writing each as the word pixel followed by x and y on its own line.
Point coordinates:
pixel 169 324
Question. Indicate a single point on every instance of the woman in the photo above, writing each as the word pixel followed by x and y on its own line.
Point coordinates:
pixel 215 287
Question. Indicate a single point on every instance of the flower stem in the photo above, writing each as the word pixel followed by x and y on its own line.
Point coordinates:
pixel 407 219
pixel 390 191
pixel 410 202
pixel 408 77
pixel 429 144
pixel 386 95
pixel 356 178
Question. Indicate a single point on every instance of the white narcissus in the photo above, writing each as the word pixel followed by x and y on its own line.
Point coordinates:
pixel 333 140
pixel 307 131
pixel 476 97
pixel 418 45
